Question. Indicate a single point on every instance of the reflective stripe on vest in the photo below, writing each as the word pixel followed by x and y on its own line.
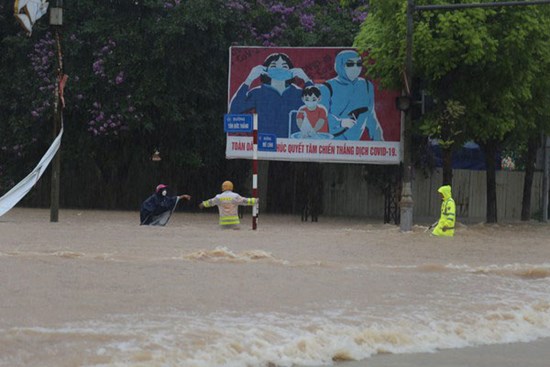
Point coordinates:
pixel 231 219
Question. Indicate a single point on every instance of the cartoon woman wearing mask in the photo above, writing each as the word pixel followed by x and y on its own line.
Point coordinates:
pixel 275 97
pixel 350 101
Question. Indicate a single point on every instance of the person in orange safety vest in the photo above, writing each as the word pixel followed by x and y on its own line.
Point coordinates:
pixel 228 204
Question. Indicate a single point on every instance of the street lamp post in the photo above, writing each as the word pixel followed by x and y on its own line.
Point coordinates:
pixel 406 204
pixel 56 21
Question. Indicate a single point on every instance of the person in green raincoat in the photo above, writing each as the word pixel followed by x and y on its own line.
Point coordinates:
pixel 446 225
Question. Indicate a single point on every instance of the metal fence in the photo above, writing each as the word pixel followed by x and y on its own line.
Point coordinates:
pixel 346 193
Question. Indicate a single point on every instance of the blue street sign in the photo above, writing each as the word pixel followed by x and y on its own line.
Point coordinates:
pixel 237 123
pixel 267 142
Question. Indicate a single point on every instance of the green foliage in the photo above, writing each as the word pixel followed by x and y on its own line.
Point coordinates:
pixel 383 35
pixel 444 124
pixel 488 60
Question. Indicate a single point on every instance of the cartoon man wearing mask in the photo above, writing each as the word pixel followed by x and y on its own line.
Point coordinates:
pixel 350 101
pixel 275 98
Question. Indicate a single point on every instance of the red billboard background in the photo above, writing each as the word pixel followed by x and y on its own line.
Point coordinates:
pixel 318 64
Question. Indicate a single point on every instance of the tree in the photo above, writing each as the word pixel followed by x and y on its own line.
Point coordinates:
pixel 444 125
pixel 143 75
pixel 469 56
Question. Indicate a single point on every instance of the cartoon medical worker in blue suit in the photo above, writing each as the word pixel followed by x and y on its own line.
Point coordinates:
pixel 350 100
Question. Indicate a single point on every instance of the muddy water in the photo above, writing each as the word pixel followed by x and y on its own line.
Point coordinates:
pixel 96 289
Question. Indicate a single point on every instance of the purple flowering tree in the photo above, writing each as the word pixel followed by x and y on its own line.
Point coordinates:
pixel 298 22
pixel 143 75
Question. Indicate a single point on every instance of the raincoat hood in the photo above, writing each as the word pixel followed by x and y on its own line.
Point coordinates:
pixel 445 191
pixel 340 65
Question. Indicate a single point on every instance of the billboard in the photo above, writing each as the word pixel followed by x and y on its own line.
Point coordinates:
pixel 313 104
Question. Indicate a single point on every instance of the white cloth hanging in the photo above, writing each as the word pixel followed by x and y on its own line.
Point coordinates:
pixel 18 192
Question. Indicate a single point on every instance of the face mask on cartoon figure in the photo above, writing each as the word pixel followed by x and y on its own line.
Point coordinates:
pixel 279 73
pixel 311 104
pixel 353 69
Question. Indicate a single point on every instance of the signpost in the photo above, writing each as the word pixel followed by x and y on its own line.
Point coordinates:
pixel 243 123
pixel 267 142
pixel 234 123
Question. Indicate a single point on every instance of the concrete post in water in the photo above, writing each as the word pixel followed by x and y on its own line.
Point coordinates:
pixel 407 204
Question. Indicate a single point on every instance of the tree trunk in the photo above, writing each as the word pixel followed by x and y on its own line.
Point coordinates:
pixel 447 155
pixel 532 146
pixel 490 163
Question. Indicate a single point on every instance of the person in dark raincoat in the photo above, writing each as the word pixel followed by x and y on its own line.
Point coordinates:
pixel 157 208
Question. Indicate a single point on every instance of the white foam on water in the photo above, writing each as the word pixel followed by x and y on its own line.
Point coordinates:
pixel 280 339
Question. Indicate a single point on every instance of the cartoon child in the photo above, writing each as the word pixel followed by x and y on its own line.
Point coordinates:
pixel 312 118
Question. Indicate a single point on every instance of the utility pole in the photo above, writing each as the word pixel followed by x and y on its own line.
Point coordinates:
pixel 56 21
pixel 406 204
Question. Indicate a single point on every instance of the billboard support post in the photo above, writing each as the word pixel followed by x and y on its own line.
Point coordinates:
pixel 255 171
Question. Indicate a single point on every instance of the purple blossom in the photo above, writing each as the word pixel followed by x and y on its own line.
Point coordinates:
pixel 358 16
pixel 238 5
pixel 97 67
pixel 42 61
pixel 171 4
pixel 307 21
pixel 119 78
pixel 281 9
